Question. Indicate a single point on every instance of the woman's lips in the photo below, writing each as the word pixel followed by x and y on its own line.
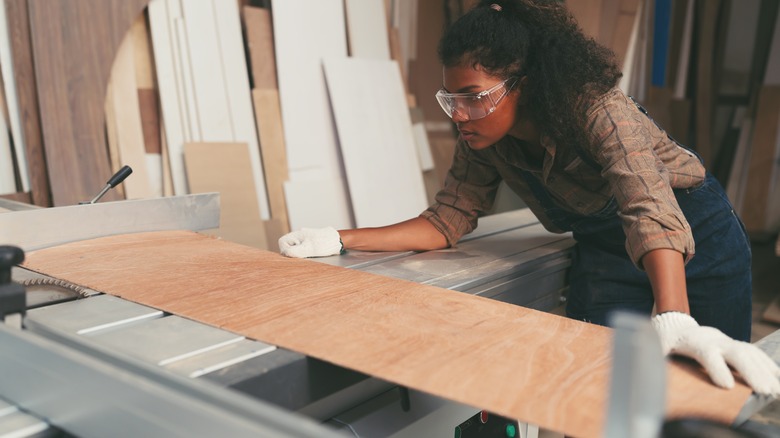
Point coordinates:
pixel 468 135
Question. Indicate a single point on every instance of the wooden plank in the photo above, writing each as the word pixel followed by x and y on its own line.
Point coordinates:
pixel 553 372
pixel 317 203
pixel 18 197
pixel 225 168
pixel 142 49
pixel 10 102
pixel 377 141
pixel 305 32
pixel 772 75
pixel 367 29
pixel 260 44
pixel 238 94
pixel 27 96
pixel 74 42
pixel 124 107
pixel 707 12
pixel 172 101
pixel 7 172
pixel 763 162
pixel 269 124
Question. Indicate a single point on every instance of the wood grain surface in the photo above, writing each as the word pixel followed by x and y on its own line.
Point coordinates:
pixel 525 364
pixel 74 43
pixel 27 99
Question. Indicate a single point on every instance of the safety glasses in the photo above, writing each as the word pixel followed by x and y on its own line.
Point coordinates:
pixel 474 106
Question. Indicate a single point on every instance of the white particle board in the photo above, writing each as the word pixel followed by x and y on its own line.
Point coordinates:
pixel 377 141
pixel 9 83
pixel 367 29
pixel 316 204
pixel 306 31
pixel 206 83
pixel 164 42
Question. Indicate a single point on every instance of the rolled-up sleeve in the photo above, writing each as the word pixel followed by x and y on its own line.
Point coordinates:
pixel 469 191
pixel 624 142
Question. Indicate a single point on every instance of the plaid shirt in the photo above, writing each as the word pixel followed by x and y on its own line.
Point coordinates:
pixel 639 167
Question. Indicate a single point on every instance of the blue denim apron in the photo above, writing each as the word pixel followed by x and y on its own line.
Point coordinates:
pixel 603 278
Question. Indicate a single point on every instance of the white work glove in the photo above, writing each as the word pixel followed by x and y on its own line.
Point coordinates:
pixel 681 334
pixel 311 242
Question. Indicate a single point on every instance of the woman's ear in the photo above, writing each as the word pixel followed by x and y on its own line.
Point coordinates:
pixel 520 87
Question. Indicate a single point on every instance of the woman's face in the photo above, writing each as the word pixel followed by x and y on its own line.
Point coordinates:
pixel 484 132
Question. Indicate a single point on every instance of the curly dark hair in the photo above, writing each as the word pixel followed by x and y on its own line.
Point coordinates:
pixel 566 70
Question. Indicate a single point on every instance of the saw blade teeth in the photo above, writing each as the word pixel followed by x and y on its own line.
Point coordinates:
pixel 43 281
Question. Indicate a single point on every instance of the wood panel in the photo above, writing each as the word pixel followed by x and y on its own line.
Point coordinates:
pixel 305 32
pixel 74 43
pixel 269 125
pixel 10 105
pixel 122 106
pixel 225 168
pixel 27 99
pixel 521 363
pixel 260 44
pixel 762 167
pixel 377 141
pixel 367 29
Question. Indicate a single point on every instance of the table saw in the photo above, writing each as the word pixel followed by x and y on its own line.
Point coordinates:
pixel 220 382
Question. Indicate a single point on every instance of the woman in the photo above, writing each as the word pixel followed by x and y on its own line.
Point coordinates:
pixel 536 105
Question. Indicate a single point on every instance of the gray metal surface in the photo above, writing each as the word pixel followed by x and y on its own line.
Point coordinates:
pixel 40 228
pixel 90 315
pixel 15 423
pixel 87 393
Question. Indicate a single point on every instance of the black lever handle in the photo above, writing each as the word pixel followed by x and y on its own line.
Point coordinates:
pixel 119 176
pixel 10 256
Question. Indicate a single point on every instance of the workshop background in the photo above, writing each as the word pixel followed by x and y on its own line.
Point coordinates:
pixel 302 113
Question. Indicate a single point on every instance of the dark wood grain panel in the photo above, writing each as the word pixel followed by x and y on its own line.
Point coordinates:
pixel 521 363
pixel 27 98
pixel 74 44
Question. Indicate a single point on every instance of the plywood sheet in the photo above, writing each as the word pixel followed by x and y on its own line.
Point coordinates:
pixel 74 43
pixel 517 362
pixel 225 168
pixel 377 141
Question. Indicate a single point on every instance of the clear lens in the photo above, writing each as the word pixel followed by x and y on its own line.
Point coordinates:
pixel 473 106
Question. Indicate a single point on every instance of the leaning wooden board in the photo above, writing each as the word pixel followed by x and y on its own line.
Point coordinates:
pixel 517 362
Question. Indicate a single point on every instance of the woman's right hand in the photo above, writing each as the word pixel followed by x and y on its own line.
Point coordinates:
pixel 311 242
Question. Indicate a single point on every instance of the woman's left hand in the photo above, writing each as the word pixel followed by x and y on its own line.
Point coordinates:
pixel 681 334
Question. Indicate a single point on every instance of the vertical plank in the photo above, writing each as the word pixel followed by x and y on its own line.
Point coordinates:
pixel 269 124
pixel 27 96
pixel 10 102
pixel 238 94
pixel 129 129
pixel 707 13
pixel 762 163
pixel 305 32
pixel 377 141
pixel 367 29
pixel 260 43
pixel 74 42
pixel 225 168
